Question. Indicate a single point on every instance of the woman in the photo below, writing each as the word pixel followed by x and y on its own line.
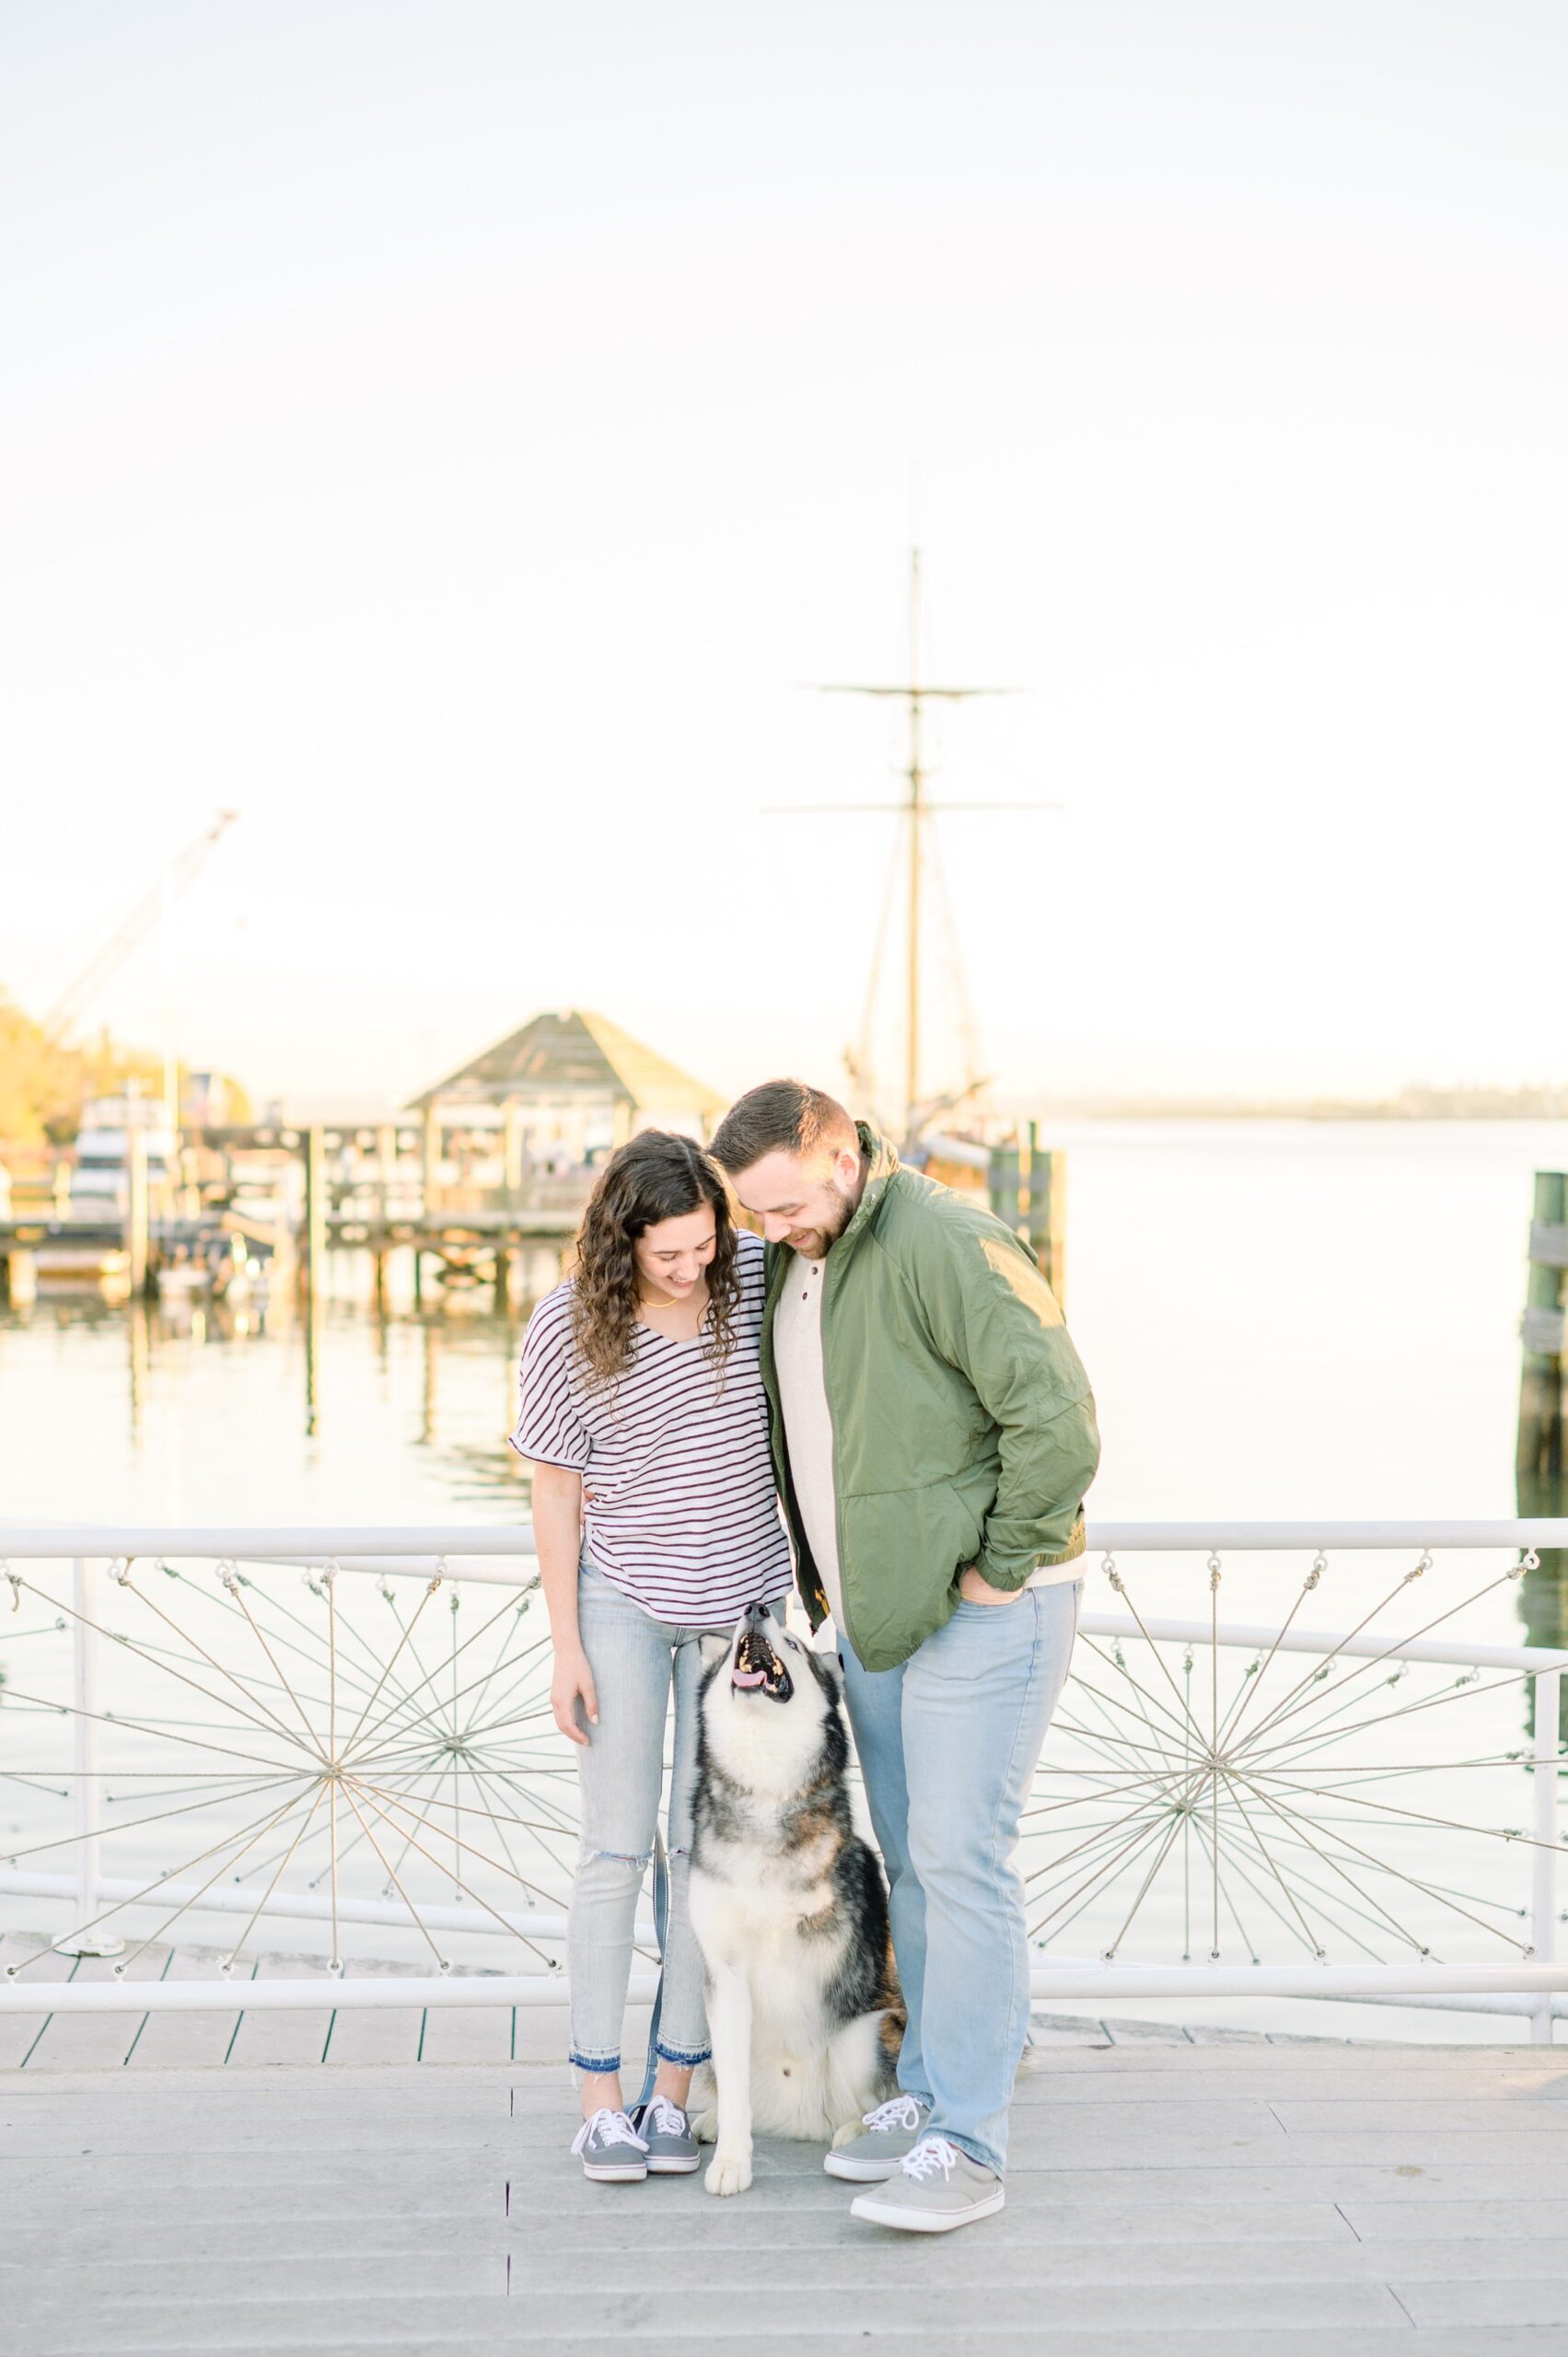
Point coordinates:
pixel 655 1521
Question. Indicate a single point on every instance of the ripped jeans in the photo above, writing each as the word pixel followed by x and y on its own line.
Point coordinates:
pixel 635 1659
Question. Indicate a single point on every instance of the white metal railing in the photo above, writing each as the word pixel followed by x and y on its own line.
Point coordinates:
pixel 1164 1762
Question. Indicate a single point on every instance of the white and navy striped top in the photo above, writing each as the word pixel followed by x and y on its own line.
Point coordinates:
pixel 678 1500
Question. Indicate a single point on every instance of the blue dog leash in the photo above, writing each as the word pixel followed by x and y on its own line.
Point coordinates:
pixel 661 1929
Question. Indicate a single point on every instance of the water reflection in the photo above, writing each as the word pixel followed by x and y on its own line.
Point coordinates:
pixel 196 1408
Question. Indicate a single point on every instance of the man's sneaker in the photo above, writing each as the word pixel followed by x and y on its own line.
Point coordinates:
pixel 667 2133
pixel 886 2135
pixel 936 2188
pixel 611 2151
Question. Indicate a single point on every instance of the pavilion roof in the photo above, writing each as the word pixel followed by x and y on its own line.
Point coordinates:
pixel 572 1052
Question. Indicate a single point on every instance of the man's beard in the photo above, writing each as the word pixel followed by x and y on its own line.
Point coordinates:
pixel 835 1222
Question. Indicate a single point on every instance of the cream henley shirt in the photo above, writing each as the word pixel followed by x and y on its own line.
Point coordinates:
pixel 808 1427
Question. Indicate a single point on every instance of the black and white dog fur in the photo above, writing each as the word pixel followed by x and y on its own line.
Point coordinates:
pixel 787 1903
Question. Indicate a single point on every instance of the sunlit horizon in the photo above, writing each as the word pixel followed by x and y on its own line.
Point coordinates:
pixel 460 441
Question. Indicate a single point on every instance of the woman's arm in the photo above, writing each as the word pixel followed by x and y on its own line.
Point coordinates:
pixel 558 1535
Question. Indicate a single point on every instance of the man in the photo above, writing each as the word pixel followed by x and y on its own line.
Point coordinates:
pixel 933 1435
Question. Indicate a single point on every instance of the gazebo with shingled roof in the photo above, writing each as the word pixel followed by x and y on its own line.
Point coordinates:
pixel 569 1085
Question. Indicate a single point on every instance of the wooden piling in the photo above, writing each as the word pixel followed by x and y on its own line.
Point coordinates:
pixel 1540 1473
pixel 136 1219
pixel 1046 1210
pixel 313 1256
pixel 1028 1187
pixel 1542 1334
pixel 512 1167
pixel 387 1165
pixel 18 1280
pixel 430 1157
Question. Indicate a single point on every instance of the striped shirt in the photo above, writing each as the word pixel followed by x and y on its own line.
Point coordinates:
pixel 679 1503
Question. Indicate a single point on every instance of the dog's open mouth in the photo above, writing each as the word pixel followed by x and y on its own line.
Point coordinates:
pixel 758 1669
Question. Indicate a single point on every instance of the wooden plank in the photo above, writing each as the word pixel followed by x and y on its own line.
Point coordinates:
pixel 118 2136
pixel 467 2034
pixel 1473 2259
pixel 1535 2300
pixel 257 2282
pixel 186 2041
pixel 542 2036
pixel 406 2194
pixel 1335 2061
pixel 391 2036
pixel 931 2312
pixel 95 2041
pixel 1446 2116
pixel 1283 2082
pixel 863 2262
pixel 1495 2222
pixel 301 2229
pixel 475 2330
pixel 21 2032
pixel 302 2233
pixel 283 2037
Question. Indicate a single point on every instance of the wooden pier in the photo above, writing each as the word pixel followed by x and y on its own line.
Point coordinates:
pixel 378 2181
pixel 393 1201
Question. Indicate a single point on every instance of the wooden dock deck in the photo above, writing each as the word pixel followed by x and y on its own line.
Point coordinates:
pixel 1172 2194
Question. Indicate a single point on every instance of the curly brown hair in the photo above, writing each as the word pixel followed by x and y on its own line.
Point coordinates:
pixel 654 1175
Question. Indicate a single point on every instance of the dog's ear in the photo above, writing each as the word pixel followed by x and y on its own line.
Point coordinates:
pixel 829 1671
pixel 714 1648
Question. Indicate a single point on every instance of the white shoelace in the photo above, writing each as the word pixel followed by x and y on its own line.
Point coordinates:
pixel 609 2127
pixel 903 2111
pixel 665 2118
pixel 931 2153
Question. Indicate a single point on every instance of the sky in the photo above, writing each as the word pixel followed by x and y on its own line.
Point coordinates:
pixel 459 436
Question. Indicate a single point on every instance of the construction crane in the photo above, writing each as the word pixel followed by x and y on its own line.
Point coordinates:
pixel 182 870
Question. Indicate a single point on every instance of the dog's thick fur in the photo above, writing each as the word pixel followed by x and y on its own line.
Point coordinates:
pixel 788 1905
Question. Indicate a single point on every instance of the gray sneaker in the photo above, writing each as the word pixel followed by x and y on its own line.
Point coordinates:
pixel 611 2149
pixel 886 2135
pixel 938 2188
pixel 666 2131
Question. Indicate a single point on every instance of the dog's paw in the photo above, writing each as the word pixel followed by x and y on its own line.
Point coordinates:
pixel 705 2126
pixel 845 2134
pixel 729 2173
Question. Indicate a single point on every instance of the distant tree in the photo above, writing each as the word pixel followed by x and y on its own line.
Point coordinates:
pixel 42 1085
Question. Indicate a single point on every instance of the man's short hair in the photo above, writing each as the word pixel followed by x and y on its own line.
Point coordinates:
pixel 780 1113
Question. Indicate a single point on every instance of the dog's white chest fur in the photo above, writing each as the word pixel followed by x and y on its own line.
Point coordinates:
pixel 778 1924
pixel 770 1958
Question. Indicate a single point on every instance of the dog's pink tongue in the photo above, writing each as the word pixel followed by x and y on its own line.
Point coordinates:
pixel 749 1677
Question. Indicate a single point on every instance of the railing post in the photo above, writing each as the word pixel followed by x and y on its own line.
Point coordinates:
pixel 89 1791
pixel 1544 1905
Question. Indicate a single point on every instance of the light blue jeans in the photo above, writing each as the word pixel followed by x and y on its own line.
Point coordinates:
pixel 634 1660
pixel 948 1743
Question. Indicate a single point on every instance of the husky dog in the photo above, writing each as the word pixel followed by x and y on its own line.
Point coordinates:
pixel 787 1904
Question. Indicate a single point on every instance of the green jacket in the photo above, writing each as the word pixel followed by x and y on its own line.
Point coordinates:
pixel 963 1423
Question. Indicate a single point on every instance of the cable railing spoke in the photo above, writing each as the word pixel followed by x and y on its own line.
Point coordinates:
pixel 1209 1791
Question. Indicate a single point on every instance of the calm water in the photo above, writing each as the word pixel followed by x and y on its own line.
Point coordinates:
pixel 1302 1321
pixel 1280 1319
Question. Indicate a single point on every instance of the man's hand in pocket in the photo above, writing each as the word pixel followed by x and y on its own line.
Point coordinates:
pixel 975 1590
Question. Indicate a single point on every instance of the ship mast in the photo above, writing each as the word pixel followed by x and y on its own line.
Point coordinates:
pixel 915 809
